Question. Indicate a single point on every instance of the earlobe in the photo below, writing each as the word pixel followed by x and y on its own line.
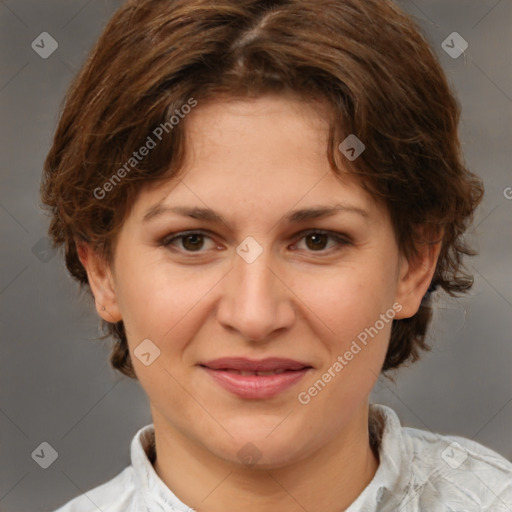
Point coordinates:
pixel 101 282
pixel 415 277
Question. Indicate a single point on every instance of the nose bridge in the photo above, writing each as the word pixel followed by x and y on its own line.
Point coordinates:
pixel 255 300
pixel 255 283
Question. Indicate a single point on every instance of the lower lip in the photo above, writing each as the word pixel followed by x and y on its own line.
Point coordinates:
pixel 256 386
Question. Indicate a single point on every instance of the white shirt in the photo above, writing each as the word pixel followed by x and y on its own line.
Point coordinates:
pixel 418 471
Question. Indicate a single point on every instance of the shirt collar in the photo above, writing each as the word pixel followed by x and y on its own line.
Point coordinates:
pixel 151 493
pixel 388 486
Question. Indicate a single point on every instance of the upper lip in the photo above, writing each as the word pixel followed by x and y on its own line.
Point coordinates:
pixel 251 365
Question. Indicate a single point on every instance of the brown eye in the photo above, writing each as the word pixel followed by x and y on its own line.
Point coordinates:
pixel 192 241
pixel 318 241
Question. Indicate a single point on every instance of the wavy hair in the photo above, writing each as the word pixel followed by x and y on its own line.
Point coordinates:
pixel 366 58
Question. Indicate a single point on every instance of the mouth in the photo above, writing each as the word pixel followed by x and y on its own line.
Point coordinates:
pixel 246 373
pixel 251 379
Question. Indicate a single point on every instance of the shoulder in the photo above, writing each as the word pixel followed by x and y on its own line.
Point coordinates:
pixel 457 472
pixel 116 495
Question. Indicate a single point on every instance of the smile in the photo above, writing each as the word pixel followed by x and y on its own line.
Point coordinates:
pixel 251 379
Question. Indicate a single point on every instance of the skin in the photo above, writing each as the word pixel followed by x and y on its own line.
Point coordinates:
pixel 254 161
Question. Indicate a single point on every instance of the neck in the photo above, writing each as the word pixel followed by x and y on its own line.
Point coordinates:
pixel 329 479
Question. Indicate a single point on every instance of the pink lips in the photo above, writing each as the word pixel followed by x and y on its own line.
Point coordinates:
pixel 253 379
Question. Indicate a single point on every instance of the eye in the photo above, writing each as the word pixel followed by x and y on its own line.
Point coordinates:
pixel 316 240
pixel 191 241
pixel 194 241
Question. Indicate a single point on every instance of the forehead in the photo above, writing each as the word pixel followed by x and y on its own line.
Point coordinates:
pixel 265 124
pixel 247 156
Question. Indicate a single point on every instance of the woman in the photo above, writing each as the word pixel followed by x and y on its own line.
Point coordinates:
pixel 261 197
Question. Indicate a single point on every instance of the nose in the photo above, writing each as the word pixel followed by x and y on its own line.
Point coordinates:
pixel 257 301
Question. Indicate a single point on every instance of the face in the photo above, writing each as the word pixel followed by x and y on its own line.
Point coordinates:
pixel 306 299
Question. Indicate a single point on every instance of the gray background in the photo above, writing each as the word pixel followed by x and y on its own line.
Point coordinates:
pixel 55 381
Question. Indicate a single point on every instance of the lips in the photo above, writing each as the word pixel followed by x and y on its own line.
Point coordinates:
pixel 241 364
pixel 251 379
pixel 259 373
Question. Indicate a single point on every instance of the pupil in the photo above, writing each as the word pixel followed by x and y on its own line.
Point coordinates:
pixel 318 241
pixel 194 244
pixel 316 236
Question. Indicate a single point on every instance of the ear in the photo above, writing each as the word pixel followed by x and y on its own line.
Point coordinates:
pixel 101 282
pixel 415 275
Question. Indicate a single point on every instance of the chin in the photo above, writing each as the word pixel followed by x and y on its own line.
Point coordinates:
pixel 261 451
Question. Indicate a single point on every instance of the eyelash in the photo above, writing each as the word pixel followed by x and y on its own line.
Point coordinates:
pixel 341 240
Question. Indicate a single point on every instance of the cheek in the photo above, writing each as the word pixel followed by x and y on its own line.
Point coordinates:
pixel 160 301
pixel 346 307
pixel 348 300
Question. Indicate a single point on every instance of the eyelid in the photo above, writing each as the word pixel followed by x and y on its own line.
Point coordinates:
pixel 342 239
pixel 334 234
pixel 167 239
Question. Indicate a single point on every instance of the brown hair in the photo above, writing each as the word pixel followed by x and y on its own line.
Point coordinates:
pixel 365 58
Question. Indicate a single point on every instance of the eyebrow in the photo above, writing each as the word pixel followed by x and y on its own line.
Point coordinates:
pixel 296 216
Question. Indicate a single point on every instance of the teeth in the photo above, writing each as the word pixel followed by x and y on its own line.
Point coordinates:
pixel 249 374
pixel 275 372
